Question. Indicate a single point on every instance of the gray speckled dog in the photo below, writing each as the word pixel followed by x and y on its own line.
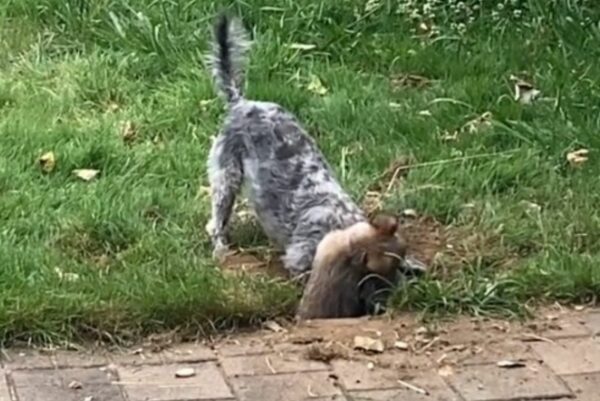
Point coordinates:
pixel 291 187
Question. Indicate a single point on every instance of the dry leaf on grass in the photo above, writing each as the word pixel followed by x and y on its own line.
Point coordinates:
pixel 66 276
pixel 577 157
pixel 47 162
pixel 316 86
pixel 525 93
pixel 302 46
pixel 368 344
pixel 128 132
pixel 473 126
pixel 86 174
pixel 185 373
pixel 409 81
pixel 409 213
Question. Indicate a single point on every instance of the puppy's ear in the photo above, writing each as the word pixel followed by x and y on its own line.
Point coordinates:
pixel 385 224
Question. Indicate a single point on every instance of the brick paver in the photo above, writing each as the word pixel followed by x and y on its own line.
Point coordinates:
pixel 4 393
pixel 571 356
pixel 592 322
pixel 253 365
pixel 458 364
pixel 489 382
pixel 289 387
pixel 429 381
pixel 58 385
pixel 69 359
pixel 25 359
pixel 159 383
pixel 585 387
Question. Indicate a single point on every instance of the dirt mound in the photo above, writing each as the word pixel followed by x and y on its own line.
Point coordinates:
pixel 427 240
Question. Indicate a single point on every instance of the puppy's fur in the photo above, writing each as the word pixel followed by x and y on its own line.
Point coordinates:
pixel 338 285
pixel 291 187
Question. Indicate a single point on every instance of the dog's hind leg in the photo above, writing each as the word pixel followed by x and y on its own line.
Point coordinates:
pixel 225 174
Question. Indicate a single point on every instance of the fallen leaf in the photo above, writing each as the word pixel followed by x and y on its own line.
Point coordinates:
pixel 316 86
pixel 525 93
pixel 185 373
pixel 478 123
pixel 47 162
pixel 75 385
pixel 448 137
pixel 66 276
pixel 368 344
pixel 86 174
pixel 421 330
pixel 112 107
pixel 577 157
pixel 302 46
pixel 446 371
pixel 409 81
pixel 128 132
pixel 273 326
pixel 401 345
pixel 510 364
pixel 410 213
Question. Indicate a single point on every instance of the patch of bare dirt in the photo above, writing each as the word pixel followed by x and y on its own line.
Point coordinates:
pixel 255 261
pixel 443 249
pixel 407 341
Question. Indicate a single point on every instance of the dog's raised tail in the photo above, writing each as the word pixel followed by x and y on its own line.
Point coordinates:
pixel 227 61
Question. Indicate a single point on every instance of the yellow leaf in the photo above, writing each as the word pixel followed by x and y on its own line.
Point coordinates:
pixel 47 162
pixel 316 86
pixel 86 174
pixel 128 132
pixel 302 46
pixel 577 157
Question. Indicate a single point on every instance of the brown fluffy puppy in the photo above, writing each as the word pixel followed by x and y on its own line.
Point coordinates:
pixel 344 258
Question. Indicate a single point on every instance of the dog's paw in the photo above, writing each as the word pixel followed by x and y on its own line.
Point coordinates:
pixel 221 252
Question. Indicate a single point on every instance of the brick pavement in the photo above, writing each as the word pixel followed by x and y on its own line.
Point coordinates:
pixel 559 360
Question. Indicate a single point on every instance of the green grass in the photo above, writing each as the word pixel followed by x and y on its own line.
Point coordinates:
pixel 126 254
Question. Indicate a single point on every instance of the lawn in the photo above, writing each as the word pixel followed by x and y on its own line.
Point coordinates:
pixel 119 87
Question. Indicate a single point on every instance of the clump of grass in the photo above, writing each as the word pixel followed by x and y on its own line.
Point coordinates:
pixel 125 254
